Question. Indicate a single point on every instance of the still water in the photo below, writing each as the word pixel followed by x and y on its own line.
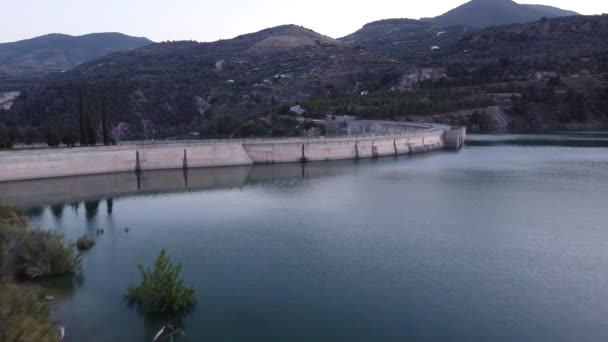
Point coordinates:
pixel 506 240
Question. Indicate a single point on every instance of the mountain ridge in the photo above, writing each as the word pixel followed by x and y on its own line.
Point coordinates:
pixel 56 52
pixel 484 13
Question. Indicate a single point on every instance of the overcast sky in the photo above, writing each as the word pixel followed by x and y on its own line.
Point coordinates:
pixel 206 20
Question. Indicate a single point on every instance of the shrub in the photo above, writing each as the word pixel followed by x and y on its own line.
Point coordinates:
pixel 84 243
pixel 44 254
pixel 23 318
pixel 12 216
pixel 35 254
pixel 282 109
pixel 161 291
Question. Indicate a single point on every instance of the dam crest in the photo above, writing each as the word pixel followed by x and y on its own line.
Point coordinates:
pixel 376 139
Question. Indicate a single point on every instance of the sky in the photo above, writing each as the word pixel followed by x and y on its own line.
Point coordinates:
pixel 210 20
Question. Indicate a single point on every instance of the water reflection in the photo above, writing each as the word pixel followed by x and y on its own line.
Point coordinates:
pixel 109 205
pixel 91 209
pixel 566 139
pixel 75 206
pixel 57 211
pixel 33 212
pixel 89 189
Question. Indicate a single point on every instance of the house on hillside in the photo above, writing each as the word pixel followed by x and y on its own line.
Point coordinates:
pixel 298 110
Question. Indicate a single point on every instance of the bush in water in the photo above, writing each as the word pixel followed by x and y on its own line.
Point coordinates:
pixel 161 291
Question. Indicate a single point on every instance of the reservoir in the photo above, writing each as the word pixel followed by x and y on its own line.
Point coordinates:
pixel 505 240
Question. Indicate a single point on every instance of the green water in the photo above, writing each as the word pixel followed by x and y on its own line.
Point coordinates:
pixel 506 240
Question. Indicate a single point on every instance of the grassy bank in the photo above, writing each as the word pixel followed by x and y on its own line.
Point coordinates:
pixel 24 315
pixel 26 255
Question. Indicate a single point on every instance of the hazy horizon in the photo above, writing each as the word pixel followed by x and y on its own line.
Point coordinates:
pixel 203 21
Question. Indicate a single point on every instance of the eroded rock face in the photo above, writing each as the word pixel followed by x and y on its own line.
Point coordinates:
pixel 7 99
pixel 410 81
pixel 201 105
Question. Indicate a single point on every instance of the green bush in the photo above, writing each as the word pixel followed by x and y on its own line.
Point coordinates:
pixel 161 291
pixel 84 243
pixel 45 254
pixel 35 254
pixel 23 318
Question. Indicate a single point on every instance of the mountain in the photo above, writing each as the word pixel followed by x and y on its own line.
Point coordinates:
pixel 168 88
pixel 483 13
pixel 59 52
pixel 409 39
pixel 550 73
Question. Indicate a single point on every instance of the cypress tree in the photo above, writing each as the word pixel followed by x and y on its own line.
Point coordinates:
pixel 92 139
pixel 84 138
pixel 104 125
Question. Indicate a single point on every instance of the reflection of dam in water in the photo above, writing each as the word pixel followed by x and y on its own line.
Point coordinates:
pixel 91 188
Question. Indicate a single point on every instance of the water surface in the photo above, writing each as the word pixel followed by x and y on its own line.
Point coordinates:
pixel 502 241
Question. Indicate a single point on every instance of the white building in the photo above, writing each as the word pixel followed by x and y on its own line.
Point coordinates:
pixel 297 110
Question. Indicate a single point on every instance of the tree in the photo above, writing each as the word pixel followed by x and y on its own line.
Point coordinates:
pixel 161 291
pixel 91 137
pixel 104 125
pixel 84 138
pixel 28 134
pixel 53 139
pixel 69 139
pixel 283 109
pixel 7 137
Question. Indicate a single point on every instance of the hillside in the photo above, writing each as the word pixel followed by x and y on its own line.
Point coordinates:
pixel 484 13
pixel 551 73
pixel 405 39
pixel 545 74
pixel 58 52
pixel 409 39
pixel 169 88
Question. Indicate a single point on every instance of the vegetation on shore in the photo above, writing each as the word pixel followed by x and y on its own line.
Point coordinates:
pixel 162 292
pixel 29 254
pixel 23 316
pixel 34 254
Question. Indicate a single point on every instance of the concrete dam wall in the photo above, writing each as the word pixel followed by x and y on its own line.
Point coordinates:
pixel 48 163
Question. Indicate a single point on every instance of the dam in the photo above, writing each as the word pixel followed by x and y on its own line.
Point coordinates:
pixel 376 139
